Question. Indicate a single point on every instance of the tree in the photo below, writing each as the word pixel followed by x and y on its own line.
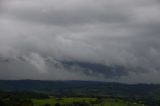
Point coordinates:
pixel 57 104
pixel 47 105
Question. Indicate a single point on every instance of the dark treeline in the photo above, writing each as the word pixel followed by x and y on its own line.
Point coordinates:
pixel 19 98
pixel 81 88
pixel 24 94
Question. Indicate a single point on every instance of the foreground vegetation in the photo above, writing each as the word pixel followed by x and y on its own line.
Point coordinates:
pixel 39 99
pixel 66 101
pixel 77 93
pixel 83 101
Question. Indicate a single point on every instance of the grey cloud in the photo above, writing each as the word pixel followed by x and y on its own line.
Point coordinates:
pixel 123 33
pixel 71 16
pixel 93 69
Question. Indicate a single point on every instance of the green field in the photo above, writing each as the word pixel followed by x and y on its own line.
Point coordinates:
pixel 63 101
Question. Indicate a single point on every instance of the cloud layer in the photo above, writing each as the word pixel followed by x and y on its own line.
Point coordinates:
pixel 38 36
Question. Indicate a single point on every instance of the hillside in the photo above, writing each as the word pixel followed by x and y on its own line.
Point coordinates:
pixel 81 88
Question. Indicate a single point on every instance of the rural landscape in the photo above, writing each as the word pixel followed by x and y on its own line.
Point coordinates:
pixel 77 93
pixel 79 52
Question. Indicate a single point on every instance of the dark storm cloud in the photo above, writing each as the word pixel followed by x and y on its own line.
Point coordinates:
pixel 92 69
pixel 96 35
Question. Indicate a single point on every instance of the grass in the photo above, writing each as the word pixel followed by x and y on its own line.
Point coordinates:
pixel 109 102
pixel 106 102
pixel 53 100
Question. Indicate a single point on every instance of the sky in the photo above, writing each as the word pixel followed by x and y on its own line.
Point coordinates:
pixel 102 40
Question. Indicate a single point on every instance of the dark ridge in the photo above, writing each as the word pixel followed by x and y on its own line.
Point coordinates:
pixel 81 88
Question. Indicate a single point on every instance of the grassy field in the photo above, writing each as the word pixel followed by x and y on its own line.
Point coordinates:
pixel 62 101
pixel 53 100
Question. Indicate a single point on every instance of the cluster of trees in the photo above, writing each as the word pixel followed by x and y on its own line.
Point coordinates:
pixel 72 104
pixel 15 102
pixel 19 98
pixel 80 103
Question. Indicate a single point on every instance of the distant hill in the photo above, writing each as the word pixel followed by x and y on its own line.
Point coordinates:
pixel 81 88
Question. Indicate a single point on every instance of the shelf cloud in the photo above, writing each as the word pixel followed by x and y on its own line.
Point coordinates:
pixel 104 40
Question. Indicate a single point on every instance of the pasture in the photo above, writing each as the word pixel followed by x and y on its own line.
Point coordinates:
pixel 88 101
